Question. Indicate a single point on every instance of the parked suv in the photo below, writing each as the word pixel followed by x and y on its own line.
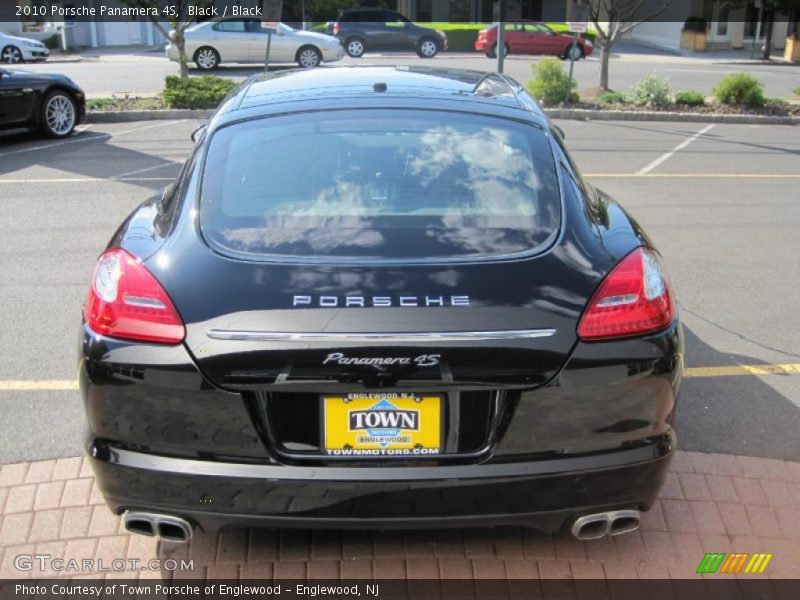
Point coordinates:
pixel 364 30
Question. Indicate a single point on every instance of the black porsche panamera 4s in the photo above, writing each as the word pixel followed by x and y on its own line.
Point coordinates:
pixel 380 297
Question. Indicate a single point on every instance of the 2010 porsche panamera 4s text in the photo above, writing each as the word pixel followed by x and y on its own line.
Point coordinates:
pixel 380 297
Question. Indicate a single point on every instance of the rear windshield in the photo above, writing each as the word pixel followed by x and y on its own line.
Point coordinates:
pixel 383 185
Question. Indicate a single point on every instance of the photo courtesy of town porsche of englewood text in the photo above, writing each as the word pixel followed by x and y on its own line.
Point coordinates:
pixel 399 299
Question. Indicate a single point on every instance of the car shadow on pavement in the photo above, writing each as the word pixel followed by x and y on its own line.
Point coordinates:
pixel 87 154
pixel 741 414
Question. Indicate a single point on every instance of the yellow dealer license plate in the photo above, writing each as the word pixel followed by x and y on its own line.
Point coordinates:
pixel 382 424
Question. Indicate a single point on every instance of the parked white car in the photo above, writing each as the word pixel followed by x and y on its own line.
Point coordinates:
pixel 245 41
pixel 15 49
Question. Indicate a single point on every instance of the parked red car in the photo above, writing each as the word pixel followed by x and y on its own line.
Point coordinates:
pixel 530 37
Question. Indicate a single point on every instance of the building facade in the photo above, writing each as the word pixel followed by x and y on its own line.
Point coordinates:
pixel 728 28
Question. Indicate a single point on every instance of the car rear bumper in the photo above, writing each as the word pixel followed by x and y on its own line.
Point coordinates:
pixel 164 439
pixel 545 494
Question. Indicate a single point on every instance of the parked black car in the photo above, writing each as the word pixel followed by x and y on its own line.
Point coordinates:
pixel 380 297
pixel 47 102
pixel 366 29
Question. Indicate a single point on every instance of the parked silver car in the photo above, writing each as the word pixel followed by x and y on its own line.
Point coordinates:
pixel 16 49
pixel 245 41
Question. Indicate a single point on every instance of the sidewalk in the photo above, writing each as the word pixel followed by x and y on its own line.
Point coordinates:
pixel 710 503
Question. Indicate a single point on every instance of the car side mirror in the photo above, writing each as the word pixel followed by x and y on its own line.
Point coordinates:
pixel 198 133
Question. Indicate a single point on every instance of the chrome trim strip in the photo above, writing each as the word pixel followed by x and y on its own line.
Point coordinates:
pixel 443 336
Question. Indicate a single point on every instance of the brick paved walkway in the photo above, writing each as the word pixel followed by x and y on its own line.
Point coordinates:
pixel 710 503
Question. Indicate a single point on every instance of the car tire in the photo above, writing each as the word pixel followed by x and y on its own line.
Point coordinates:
pixel 308 57
pixel 492 52
pixel 206 58
pixel 577 49
pixel 11 55
pixel 427 48
pixel 59 114
pixel 355 47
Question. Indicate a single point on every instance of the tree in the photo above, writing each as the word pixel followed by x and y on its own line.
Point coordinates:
pixel 178 19
pixel 771 7
pixel 613 18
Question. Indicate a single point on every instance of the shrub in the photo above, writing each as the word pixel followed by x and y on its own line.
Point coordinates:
pixel 796 91
pixel 52 42
pixel 100 103
pixel 776 102
pixel 740 89
pixel 196 92
pixel 551 84
pixel 651 90
pixel 690 98
pixel 611 98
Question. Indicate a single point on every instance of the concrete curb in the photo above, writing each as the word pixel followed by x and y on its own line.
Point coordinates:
pixel 585 114
pixel 99 116
pixel 580 114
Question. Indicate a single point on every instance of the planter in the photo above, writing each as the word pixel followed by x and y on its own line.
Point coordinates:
pixel 792 50
pixel 693 40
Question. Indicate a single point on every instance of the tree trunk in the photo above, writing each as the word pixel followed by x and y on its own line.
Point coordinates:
pixel 183 61
pixel 768 21
pixel 605 54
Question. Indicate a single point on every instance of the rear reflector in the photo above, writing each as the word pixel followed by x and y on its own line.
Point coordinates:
pixel 126 301
pixel 634 299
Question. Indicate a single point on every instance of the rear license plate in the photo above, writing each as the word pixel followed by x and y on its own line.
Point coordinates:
pixel 382 424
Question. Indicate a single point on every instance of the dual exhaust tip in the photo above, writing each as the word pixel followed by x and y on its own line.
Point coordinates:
pixel 168 527
pixel 598 525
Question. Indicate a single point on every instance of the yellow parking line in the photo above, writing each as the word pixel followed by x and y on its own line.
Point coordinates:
pixel 727 371
pixel 25 385
pixel 697 175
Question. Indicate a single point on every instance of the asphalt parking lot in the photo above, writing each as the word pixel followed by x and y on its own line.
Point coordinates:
pixel 723 210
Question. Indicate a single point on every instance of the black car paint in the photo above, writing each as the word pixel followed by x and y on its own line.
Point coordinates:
pixel 577 426
pixel 378 36
pixel 23 92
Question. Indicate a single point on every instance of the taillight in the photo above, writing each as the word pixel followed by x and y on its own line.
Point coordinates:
pixel 634 299
pixel 335 29
pixel 126 301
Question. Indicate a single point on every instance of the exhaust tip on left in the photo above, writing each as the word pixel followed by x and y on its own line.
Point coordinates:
pixel 168 527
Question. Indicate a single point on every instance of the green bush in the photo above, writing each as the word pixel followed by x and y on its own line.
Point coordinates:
pixel 651 90
pixel 690 98
pixel 776 102
pixel 52 42
pixel 460 36
pixel 551 84
pixel 611 98
pixel 740 89
pixel 796 91
pixel 196 92
pixel 100 103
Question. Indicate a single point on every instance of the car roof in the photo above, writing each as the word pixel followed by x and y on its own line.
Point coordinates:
pixel 372 86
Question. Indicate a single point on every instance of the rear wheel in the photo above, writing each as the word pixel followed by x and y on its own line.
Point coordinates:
pixel 427 48
pixel 355 47
pixel 59 115
pixel 308 57
pixel 492 52
pixel 206 58
pixel 574 52
pixel 11 55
